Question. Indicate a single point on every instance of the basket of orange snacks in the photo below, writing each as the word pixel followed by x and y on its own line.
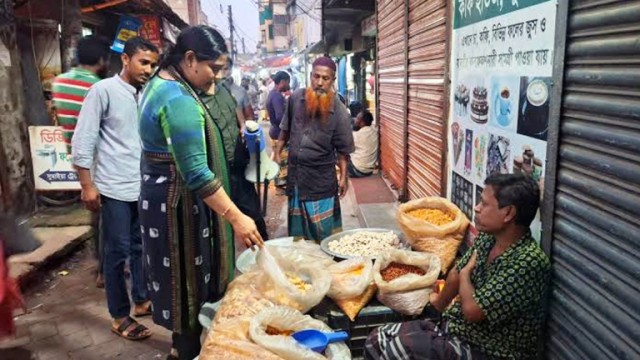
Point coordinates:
pixel 434 225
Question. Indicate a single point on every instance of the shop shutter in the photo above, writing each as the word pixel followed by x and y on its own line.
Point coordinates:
pixel 595 245
pixel 391 89
pixel 427 58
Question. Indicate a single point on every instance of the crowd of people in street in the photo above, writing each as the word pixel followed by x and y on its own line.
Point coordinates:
pixel 160 156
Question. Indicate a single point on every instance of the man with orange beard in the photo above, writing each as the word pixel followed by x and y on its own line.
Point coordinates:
pixel 317 127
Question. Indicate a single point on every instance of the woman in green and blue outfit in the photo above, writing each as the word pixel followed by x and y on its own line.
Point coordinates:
pixel 188 220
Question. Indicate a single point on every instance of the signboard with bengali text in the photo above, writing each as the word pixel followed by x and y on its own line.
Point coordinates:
pixel 150 29
pixel 501 67
pixel 52 165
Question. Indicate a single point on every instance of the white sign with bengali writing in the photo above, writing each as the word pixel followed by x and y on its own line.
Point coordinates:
pixel 52 166
pixel 501 82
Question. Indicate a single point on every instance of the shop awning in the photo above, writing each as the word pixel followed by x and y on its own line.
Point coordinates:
pixel 51 9
pixel 155 7
pixel 278 61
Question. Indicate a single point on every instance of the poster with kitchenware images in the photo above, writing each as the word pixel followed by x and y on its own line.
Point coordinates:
pixel 533 113
pixel 505 97
pixel 52 166
pixel 462 194
pixel 501 67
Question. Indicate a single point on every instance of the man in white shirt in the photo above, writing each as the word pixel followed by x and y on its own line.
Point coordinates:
pixel 363 160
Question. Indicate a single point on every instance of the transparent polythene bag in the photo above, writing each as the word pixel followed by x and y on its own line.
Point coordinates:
pixel 285 318
pixel 350 278
pixel 408 294
pixel 276 285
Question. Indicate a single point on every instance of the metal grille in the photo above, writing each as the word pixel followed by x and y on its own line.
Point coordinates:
pixel 392 92
pixel 595 247
pixel 427 59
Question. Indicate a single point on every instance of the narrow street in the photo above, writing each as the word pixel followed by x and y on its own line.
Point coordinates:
pixel 67 315
pixel 67 318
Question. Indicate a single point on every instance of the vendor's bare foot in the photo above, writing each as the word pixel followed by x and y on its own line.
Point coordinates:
pixel 143 309
pixel 130 329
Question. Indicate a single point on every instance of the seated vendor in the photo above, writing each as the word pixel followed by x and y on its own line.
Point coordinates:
pixel 365 137
pixel 499 286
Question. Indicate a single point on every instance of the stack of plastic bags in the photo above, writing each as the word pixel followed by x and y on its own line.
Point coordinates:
pixel 285 282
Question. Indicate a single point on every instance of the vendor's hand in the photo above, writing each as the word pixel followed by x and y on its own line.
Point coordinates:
pixel 468 269
pixel 91 198
pixel 434 301
pixel 276 157
pixel 343 187
pixel 245 228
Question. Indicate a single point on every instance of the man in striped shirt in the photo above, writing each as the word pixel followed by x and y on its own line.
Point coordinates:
pixel 69 89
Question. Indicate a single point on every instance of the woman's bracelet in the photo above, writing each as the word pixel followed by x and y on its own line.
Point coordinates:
pixel 224 213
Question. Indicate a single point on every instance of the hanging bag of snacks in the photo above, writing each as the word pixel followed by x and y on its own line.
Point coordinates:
pixel 434 225
pixel 405 280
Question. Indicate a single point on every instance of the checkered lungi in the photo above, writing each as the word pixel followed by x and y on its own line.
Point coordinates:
pixel 314 219
pixel 417 340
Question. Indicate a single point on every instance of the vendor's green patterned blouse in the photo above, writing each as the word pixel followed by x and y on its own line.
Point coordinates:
pixel 510 292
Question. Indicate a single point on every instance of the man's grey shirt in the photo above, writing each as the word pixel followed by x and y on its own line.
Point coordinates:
pixel 239 94
pixel 107 139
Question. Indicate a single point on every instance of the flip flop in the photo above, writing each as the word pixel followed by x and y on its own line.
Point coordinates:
pixel 135 334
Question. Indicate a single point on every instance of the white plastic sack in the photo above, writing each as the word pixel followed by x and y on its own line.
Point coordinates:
pixel 277 287
pixel 350 278
pixel 284 318
pixel 408 294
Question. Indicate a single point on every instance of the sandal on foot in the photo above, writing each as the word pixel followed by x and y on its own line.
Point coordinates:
pixel 145 312
pixel 131 330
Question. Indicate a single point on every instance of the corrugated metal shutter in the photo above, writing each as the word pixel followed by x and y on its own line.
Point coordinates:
pixel 427 59
pixel 595 248
pixel 391 90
